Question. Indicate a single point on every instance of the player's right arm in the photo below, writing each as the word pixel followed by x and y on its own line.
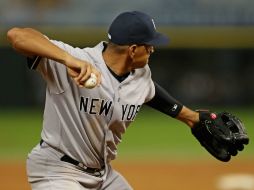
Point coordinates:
pixel 32 43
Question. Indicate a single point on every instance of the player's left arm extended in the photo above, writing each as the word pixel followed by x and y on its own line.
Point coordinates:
pixel 165 103
pixel 221 134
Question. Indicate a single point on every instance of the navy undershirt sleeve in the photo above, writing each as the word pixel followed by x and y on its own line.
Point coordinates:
pixel 32 63
pixel 164 102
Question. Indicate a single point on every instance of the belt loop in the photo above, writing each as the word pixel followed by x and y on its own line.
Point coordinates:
pixel 41 141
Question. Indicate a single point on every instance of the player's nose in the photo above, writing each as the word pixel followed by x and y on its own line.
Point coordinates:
pixel 150 49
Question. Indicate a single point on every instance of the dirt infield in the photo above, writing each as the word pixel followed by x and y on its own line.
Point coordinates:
pixel 165 175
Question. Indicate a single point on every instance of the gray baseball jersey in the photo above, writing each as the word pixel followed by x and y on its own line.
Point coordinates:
pixel 87 124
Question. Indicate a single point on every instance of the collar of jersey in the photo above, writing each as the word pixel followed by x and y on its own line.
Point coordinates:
pixel 119 78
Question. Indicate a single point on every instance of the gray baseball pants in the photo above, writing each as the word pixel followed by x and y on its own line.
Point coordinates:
pixel 46 171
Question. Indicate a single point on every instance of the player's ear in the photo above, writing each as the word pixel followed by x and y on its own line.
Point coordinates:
pixel 132 50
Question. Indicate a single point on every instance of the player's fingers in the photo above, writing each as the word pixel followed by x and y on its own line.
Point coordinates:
pixel 84 73
pixel 99 80
pixel 76 81
pixel 82 67
pixel 72 73
pixel 98 75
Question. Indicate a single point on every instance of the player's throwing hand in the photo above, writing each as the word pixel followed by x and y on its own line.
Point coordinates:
pixel 81 70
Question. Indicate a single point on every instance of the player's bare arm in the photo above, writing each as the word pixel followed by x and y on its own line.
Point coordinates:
pixel 31 42
pixel 188 116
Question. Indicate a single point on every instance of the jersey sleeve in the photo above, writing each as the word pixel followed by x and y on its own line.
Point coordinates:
pixel 150 91
pixel 150 88
pixel 33 62
pixel 54 73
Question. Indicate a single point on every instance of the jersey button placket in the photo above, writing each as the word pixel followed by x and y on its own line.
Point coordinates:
pixel 119 89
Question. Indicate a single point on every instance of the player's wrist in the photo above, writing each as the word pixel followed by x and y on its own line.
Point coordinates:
pixel 68 60
pixel 188 116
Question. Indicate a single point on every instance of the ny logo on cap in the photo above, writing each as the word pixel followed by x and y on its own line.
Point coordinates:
pixel 153 24
pixel 109 36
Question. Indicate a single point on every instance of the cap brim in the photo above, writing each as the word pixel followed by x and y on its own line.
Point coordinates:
pixel 159 40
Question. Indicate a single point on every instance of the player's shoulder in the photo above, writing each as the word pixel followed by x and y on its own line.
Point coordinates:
pixel 97 49
pixel 95 53
pixel 74 51
pixel 143 73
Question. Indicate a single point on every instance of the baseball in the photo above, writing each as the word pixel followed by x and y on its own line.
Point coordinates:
pixel 91 82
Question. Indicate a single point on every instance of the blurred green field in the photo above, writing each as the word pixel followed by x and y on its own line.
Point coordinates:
pixel 152 136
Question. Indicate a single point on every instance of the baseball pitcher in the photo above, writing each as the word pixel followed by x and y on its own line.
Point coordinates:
pixel 93 95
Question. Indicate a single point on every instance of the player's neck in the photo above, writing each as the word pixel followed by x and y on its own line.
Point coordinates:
pixel 117 63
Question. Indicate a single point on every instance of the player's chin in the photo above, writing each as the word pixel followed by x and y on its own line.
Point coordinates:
pixel 147 61
pixel 142 64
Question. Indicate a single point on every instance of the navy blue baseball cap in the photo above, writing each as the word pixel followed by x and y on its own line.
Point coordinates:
pixel 135 28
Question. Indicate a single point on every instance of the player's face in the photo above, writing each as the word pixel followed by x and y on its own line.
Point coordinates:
pixel 141 55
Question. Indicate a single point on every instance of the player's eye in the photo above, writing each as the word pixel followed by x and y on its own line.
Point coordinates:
pixel 149 49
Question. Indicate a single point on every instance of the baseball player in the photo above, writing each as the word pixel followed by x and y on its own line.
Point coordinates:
pixel 82 127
